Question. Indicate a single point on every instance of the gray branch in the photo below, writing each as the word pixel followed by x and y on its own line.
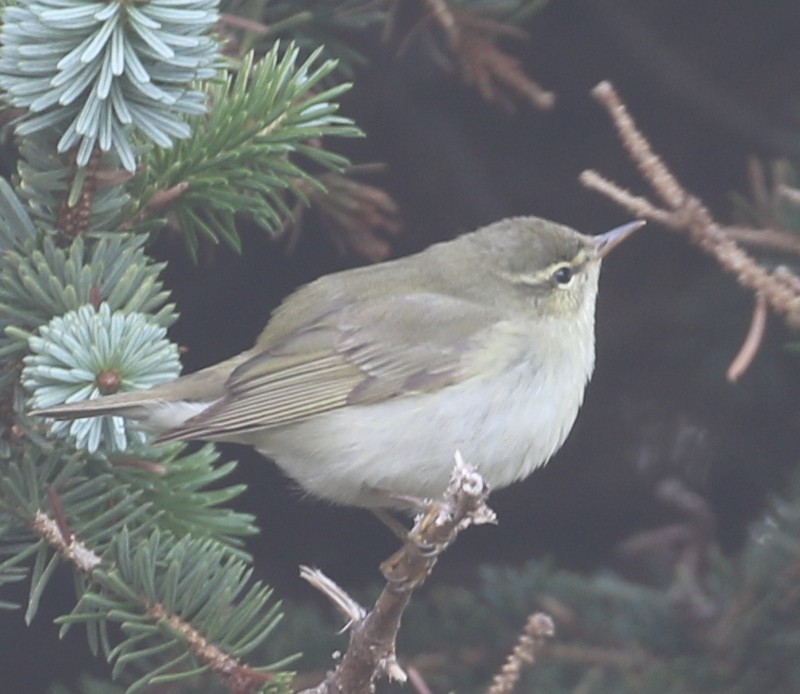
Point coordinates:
pixel 371 652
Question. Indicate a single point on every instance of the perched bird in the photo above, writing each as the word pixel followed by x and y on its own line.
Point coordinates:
pixel 365 382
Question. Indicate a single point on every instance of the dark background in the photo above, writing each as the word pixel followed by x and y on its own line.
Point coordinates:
pixel 711 83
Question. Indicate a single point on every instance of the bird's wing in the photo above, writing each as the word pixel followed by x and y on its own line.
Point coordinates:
pixel 365 352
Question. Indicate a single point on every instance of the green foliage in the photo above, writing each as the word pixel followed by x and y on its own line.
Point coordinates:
pixel 312 23
pixel 87 495
pixel 72 353
pixel 122 512
pixel 87 685
pixel 40 280
pixel 94 72
pixel 166 592
pixel 100 499
pixel 16 226
pixel 254 146
pixel 49 183
pixel 186 495
pixel 78 355
pixel 156 549
pixel 157 553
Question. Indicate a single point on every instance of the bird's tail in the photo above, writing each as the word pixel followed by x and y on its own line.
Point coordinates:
pixel 161 408
pixel 133 405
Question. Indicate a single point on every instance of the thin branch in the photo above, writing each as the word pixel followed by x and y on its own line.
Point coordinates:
pixel 71 549
pixel 159 201
pixel 765 238
pixel 648 162
pixel 371 652
pixel 244 23
pixel 238 678
pixel 470 40
pixel 352 611
pixel 780 288
pixel 446 19
pixel 358 215
pixel 639 205
pixel 790 193
pixel 538 628
pixel 59 516
pixel 417 682
pixel 751 343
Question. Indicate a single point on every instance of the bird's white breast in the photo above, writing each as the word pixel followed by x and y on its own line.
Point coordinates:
pixel 506 423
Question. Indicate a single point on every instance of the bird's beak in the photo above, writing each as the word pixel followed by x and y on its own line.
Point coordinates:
pixel 605 243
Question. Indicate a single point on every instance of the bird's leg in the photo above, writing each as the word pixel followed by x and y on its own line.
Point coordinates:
pixel 398 529
pixel 406 502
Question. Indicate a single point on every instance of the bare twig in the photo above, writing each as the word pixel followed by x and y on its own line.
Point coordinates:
pixel 769 193
pixel 470 41
pixel 351 610
pixel 69 547
pixel 492 71
pixel 159 201
pixel 790 193
pixel 537 629
pixel 765 238
pixel 647 161
pixel 639 205
pixel 751 343
pixel 358 216
pixel 417 682
pixel 780 289
pixel 371 652
pixel 59 516
pixel 244 23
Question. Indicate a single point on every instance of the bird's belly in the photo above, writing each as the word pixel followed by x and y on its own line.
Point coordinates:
pixel 506 425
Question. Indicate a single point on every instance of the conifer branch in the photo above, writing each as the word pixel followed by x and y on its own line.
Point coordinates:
pixel 95 73
pixel 538 628
pixel 201 620
pixel 252 153
pixel 238 678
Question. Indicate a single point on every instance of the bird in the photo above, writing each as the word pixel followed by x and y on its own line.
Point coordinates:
pixel 365 382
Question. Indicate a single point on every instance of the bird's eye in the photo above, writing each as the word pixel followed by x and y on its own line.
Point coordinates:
pixel 563 274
